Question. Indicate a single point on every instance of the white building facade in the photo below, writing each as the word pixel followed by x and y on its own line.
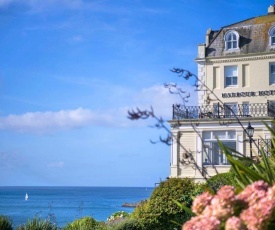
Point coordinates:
pixel 237 68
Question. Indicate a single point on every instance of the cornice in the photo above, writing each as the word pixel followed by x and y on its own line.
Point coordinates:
pixel 240 59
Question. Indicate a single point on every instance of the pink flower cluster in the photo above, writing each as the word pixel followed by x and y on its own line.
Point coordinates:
pixel 252 209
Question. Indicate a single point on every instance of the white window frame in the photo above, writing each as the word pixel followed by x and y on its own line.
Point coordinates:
pixel 271 33
pixel 210 144
pixel 230 75
pixel 231 39
pixel 272 73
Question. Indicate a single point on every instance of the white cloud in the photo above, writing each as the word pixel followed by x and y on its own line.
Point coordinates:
pixel 40 122
pixel 59 164
pixel 162 100
pixel 51 121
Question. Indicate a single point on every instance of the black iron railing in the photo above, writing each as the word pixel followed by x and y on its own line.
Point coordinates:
pixel 218 111
pixel 265 145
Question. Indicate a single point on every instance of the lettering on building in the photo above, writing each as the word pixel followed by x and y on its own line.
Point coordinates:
pixel 249 94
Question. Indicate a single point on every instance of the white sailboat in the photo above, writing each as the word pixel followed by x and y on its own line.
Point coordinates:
pixel 26 197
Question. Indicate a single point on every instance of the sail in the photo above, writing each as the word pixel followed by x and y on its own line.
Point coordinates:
pixel 26 197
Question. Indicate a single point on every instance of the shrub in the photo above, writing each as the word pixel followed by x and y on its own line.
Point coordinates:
pixel 5 223
pixel 85 223
pixel 160 211
pixel 38 224
pixel 117 216
pixel 127 224
pixel 217 181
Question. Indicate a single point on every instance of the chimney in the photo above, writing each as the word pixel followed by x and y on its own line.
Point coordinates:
pixel 201 51
pixel 271 9
pixel 207 39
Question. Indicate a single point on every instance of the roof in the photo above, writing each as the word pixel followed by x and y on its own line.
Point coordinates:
pixel 254 37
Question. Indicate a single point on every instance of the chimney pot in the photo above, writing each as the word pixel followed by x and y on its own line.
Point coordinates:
pixel 271 9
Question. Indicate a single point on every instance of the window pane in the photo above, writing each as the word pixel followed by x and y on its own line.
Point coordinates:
pixel 219 134
pixel 230 144
pixel 229 45
pixel 235 81
pixel 212 153
pixel 206 135
pixel 272 73
pixel 245 109
pixel 230 110
pixel 228 81
pixel 216 109
pixel 231 74
pixel 216 153
pixel 231 71
pixel 207 157
pixel 231 135
pixel 231 40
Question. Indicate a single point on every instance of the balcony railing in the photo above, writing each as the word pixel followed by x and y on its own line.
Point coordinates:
pixel 219 111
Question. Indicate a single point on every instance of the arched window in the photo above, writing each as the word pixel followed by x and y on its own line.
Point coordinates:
pixel 231 39
pixel 272 36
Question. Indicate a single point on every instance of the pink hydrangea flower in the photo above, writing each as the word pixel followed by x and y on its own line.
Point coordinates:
pixel 253 193
pixel 222 205
pixel 271 192
pixel 219 210
pixel 258 215
pixel 234 223
pixel 202 223
pixel 201 202
pixel 225 196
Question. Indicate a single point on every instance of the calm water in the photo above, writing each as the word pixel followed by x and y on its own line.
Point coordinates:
pixel 66 204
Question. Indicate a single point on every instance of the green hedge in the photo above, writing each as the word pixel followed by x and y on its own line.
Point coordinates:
pixel 160 211
pixel 217 181
pixel 85 223
pixel 38 224
pixel 5 223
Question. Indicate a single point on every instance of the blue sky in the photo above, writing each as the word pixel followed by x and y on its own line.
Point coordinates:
pixel 70 70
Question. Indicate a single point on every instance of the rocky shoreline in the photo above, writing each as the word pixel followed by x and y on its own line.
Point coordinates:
pixel 133 205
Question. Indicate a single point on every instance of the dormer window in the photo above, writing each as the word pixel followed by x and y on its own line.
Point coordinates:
pixel 272 36
pixel 231 39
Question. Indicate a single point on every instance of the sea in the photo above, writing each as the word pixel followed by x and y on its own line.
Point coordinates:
pixel 65 204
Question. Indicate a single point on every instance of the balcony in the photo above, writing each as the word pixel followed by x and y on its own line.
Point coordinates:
pixel 220 111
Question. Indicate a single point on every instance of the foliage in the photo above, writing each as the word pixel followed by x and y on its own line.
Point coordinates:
pixel 118 216
pixel 217 181
pixel 85 223
pixel 38 224
pixel 253 208
pixel 264 170
pixel 160 211
pixel 127 224
pixel 5 223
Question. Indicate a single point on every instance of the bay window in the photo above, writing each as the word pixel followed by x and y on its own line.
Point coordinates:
pixel 212 153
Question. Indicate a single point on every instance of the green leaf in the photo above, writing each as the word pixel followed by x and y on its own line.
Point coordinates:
pixel 184 207
pixel 176 223
pixel 240 168
pixel 267 167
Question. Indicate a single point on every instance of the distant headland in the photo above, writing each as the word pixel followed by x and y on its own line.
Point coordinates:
pixel 133 205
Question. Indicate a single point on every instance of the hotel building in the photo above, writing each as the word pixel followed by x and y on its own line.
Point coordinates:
pixel 237 68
